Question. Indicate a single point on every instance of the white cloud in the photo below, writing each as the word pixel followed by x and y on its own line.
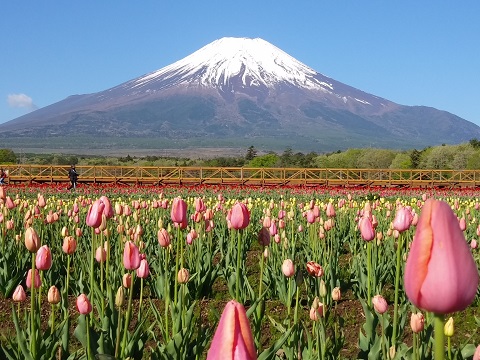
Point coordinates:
pixel 21 101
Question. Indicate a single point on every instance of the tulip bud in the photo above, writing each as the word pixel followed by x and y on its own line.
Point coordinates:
pixel 336 294
pixel 417 322
pixel 322 289
pixel 19 294
pixel 32 241
pixel 127 280
pixel 37 281
pixel 316 312
pixel 163 237
pixel 288 268
pixel 84 306
pixel 43 259
pixel 53 296
pixel 449 328
pixel 120 297
pixel 143 271
pixel 379 304
pixel 100 254
pixel 476 355
pixel 183 276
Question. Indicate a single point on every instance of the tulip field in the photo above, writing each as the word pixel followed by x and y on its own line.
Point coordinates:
pixel 211 272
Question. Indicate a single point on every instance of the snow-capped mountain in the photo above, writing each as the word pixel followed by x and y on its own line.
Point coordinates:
pixel 244 91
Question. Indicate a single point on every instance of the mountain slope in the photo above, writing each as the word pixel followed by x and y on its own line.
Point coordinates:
pixel 243 91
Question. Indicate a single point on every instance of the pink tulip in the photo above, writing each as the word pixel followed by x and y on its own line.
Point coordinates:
pixel 38 281
pixel 178 213
pixel 403 219
pixel 288 268
pixel 94 215
pixel 379 304
pixel 53 295
pixel 19 294
pixel 100 254
pixel 69 245
pixel 417 322
pixel 441 275
pixel 131 256
pixel 143 270
pixel 199 205
pixel 316 313
pixel 473 244
pixel 43 259
pixel 127 280
pixel 366 228
pixel 233 339
pixel 163 238
pixel 32 241
pixel 240 216
pixel 476 355
pixel 108 208
pixel 330 210
pixel 83 305
pixel 183 276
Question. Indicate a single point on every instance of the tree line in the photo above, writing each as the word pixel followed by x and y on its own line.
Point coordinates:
pixel 464 156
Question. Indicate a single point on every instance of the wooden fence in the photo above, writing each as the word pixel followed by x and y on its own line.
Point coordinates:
pixel 150 175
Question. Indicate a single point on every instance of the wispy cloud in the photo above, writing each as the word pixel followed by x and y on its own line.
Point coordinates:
pixel 21 101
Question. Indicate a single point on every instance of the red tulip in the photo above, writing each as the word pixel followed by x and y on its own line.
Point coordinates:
pixel 178 213
pixel 83 305
pixel 43 259
pixel 441 275
pixel 131 256
pixel 314 269
pixel 233 339
pixel 240 216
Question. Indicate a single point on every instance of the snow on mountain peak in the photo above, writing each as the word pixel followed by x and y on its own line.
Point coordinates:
pixel 255 61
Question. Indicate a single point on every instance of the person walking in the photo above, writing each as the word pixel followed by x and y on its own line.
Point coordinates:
pixel 73 175
pixel 3 176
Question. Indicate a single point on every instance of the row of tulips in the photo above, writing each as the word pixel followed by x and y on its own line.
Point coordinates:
pixel 107 251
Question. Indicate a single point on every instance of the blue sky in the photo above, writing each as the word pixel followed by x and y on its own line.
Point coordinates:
pixel 410 52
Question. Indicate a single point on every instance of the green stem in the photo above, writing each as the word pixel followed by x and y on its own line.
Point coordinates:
pixel 89 348
pixel 141 300
pixel 52 319
pixel 127 317
pixel 33 305
pixel 449 344
pixel 67 280
pixel 175 294
pixel 397 285
pixel 369 271
pixel 439 338
pixel 117 340
pixel 167 289
pixel 92 260
pixel 237 274
pixel 101 290
pixel 415 345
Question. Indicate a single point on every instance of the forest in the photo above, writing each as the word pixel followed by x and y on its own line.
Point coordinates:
pixel 464 156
